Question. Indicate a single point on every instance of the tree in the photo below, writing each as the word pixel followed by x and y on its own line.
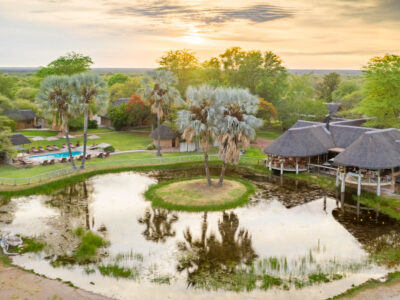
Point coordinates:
pixel 267 111
pixel 55 98
pixel 7 150
pixel 159 90
pixel 137 111
pixel 210 72
pixel 71 63
pixel 126 89
pixel 236 127
pixel 382 91
pixel 88 88
pixel 349 105
pixel 118 116
pixel 27 93
pixel 199 119
pixel 182 63
pixel 327 86
pixel 299 92
pixel 117 78
pixel 7 85
pixel 345 88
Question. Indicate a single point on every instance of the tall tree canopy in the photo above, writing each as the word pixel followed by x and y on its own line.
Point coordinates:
pixel 183 64
pixel 117 78
pixel 382 91
pixel 71 63
pixel 327 86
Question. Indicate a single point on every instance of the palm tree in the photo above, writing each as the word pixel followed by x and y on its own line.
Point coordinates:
pixel 159 90
pixel 237 126
pixel 199 119
pixel 55 98
pixel 88 87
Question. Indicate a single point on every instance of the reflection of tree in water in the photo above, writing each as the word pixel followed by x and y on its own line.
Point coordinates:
pixel 158 224
pixel 208 259
pixel 74 202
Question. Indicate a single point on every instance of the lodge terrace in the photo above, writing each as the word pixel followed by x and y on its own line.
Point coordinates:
pixel 357 155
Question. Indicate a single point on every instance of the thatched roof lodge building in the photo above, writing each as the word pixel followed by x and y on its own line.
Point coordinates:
pixel 169 138
pixel 360 155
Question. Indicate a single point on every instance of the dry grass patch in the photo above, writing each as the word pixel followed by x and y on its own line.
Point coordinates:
pixel 198 193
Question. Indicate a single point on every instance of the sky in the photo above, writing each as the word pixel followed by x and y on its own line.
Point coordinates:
pixel 307 34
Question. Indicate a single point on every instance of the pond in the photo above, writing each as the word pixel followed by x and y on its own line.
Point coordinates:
pixel 292 240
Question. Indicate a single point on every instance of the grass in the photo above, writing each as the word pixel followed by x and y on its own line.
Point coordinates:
pixel 321 180
pixel 268 134
pixel 43 133
pixel 88 249
pixel 117 271
pixel 388 206
pixel 254 152
pixel 370 284
pixel 31 245
pixel 9 171
pixel 158 194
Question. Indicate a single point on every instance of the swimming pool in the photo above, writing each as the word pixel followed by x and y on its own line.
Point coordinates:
pixel 50 156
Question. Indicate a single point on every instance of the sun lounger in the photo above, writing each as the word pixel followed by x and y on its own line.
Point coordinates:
pixel 45 162
pixel 34 150
pixel 55 148
pixel 107 154
pixel 64 146
pixel 48 148
pixel 80 157
pixel 88 157
pixel 73 146
pixel 41 149
pixel 63 160
pixel 100 155
pixel 52 162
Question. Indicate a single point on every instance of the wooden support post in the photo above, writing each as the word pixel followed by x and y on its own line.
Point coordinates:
pixel 359 186
pixel 378 188
pixel 281 168
pixel 343 181
pixel 297 165
pixel 337 177
pixel 270 165
pixel 393 181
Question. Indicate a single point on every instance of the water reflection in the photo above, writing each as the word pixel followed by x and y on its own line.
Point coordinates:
pixel 207 258
pixel 158 224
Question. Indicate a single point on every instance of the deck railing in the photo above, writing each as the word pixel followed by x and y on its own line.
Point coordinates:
pixel 112 163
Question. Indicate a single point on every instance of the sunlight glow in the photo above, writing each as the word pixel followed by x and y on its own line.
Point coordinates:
pixel 193 39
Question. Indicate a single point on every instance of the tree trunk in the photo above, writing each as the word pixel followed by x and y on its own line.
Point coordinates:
pixel 158 137
pixel 85 129
pixel 206 167
pixel 221 177
pixel 65 124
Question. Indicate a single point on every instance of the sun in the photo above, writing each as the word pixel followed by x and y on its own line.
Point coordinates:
pixel 193 39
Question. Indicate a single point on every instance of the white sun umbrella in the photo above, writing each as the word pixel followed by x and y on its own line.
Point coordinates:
pixel 93 137
pixel 52 138
pixel 103 145
pixel 37 138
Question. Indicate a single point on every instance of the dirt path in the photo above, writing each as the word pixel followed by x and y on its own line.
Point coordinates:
pixel 18 284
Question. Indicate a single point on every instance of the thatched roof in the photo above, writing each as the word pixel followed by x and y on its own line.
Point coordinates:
pixel 377 149
pixel 333 108
pixel 120 101
pixel 303 123
pixel 166 133
pixel 344 135
pixel 21 114
pixel 302 142
pixel 19 139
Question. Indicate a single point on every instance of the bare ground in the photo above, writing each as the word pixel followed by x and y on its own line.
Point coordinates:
pixel 384 292
pixel 18 284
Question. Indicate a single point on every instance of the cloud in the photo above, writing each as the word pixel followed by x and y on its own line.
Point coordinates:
pixel 162 11
pixel 375 11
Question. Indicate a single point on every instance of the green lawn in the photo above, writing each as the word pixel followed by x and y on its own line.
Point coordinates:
pixel 92 131
pixel 120 140
pixel 268 134
pixel 43 133
pixel 254 152
pixel 13 172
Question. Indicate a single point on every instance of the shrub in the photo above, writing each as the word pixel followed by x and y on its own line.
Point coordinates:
pixel 151 146
pixel 92 124
pixel 109 149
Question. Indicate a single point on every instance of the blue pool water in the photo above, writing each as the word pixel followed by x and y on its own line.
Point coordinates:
pixel 57 155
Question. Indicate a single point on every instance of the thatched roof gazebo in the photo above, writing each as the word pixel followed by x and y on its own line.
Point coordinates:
pixel 374 150
pixel 168 137
pixel 302 142
pixel 299 142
